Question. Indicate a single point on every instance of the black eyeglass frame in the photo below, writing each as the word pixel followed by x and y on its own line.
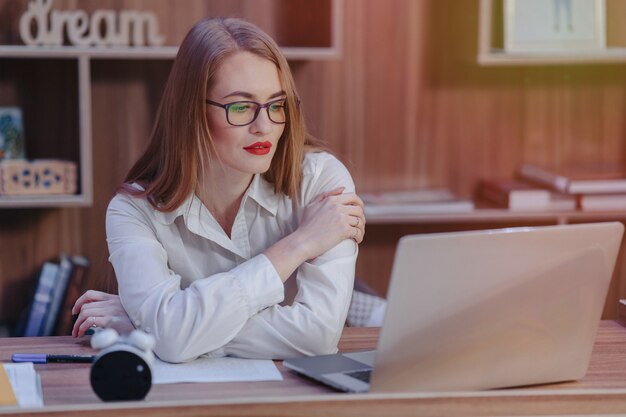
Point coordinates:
pixel 259 106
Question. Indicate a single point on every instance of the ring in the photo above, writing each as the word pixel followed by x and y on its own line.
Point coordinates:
pixel 93 322
pixel 358 221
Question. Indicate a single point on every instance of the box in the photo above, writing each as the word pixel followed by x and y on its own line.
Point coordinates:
pixel 37 177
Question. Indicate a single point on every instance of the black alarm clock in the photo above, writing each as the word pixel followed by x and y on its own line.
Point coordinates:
pixel 122 371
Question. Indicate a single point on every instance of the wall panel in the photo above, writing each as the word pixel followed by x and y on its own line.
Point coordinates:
pixel 406 106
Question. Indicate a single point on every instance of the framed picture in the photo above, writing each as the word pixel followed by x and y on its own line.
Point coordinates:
pixel 554 25
pixel 11 133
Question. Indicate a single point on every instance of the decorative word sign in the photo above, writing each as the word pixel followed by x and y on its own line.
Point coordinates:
pixel 41 26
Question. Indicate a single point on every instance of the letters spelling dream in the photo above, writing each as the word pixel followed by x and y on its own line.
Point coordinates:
pixel 40 26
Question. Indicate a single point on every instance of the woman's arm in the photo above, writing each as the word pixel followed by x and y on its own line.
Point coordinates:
pixel 99 309
pixel 210 312
pixel 326 221
pixel 312 325
pixel 186 322
pixel 314 322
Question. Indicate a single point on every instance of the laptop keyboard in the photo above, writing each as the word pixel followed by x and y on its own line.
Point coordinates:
pixel 361 375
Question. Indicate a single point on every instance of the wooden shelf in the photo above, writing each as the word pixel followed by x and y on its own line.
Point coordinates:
pixel 495 57
pixel 490 54
pixel 319 37
pixel 163 52
pixel 20 51
pixel 35 201
pixel 498 215
pixel 74 141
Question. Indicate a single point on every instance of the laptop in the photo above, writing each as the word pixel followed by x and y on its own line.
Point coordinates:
pixel 484 309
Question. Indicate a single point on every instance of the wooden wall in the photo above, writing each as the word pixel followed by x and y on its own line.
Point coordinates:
pixel 406 106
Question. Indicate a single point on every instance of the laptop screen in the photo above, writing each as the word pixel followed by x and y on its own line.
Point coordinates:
pixel 496 308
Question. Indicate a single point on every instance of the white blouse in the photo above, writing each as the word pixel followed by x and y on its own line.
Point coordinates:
pixel 199 292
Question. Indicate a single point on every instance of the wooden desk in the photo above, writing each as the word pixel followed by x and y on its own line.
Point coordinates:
pixel 67 391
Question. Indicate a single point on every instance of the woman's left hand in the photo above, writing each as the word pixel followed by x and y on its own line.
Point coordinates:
pixel 330 218
pixel 100 309
pixel 357 215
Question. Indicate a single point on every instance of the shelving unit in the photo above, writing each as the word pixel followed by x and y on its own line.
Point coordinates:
pixel 320 42
pixel 44 117
pixel 490 52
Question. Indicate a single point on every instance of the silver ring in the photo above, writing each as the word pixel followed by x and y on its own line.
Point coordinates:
pixel 358 221
pixel 93 322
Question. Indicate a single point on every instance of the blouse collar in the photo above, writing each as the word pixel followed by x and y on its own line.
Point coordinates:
pixel 260 190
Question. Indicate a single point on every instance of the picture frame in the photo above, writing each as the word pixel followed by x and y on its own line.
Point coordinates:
pixel 554 25
pixel 11 133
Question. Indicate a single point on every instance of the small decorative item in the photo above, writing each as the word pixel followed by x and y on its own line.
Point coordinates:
pixel 37 177
pixel 11 133
pixel 42 25
pixel 122 371
pixel 554 25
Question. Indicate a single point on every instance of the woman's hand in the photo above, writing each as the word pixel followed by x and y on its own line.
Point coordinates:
pixel 100 309
pixel 330 218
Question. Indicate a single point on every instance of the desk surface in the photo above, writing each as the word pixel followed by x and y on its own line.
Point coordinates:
pixel 67 390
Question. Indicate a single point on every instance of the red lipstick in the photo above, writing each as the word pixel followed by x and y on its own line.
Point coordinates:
pixel 259 148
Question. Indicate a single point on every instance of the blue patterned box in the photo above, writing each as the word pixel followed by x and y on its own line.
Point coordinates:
pixel 11 133
pixel 39 176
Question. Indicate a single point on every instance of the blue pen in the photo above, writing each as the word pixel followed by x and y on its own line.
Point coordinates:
pixel 45 358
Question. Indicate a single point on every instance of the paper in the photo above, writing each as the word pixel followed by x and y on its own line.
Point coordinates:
pixel 6 390
pixel 215 370
pixel 26 384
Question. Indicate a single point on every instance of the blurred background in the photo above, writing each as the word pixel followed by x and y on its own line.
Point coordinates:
pixel 409 94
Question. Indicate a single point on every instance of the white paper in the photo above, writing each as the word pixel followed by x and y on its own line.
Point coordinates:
pixel 215 370
pixel 26 384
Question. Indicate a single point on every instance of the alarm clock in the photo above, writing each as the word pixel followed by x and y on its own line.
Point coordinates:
pixel 122 370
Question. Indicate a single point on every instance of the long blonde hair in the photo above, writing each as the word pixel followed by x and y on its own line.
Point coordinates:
pixel 181 145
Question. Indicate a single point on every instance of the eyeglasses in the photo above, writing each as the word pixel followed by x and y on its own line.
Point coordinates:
pixel 243 113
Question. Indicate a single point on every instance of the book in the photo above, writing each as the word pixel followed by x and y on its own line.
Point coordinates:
pixel 561 202
pixel 75 288
pixel 596 179
pixel 7 396
pixel 41 300
pixel 25 385
pixel 513 194
pixel 417 201
pixel 57 295
pixel 518 195
pixel 11 133
pixel 602 202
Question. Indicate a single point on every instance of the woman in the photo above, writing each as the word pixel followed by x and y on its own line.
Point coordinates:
pixel 230 206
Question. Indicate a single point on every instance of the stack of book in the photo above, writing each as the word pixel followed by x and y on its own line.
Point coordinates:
pixel 414 201
pixel 58 286
pixel 596 188
pixel 593 188
pixel 519 195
